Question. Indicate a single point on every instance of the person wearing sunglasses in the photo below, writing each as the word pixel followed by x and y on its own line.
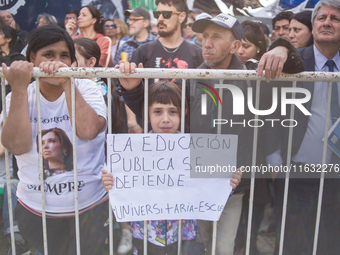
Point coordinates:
pixel 187 32
pixel 118 35
pixel 170 50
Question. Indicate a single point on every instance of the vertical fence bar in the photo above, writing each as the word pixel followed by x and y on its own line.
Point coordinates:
pixel 285 196
pixel 322 177
pixel 8 174
pixel 74 137
pixel 146 108
pixel 219 130
pixel 183 106
pixel 146 117
pixel 253 163
pixel 219 110
pixel 109 119
pixel 179 247
pixel 43 209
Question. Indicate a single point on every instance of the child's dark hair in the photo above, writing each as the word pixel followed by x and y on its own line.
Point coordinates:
pixel 88 48
pixel 166 92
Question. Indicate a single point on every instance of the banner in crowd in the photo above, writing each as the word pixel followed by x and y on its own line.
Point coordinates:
pixel 25 12
pixel 152 175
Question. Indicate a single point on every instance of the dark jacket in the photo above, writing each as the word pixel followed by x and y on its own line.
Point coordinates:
pixel 277 138
pixel 203 123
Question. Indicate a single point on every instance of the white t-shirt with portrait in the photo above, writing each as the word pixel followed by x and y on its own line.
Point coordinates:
pixel 59 188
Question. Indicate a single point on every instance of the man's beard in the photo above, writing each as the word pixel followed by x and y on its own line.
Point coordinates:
pixel 217 63
pixel 168 33
pixel 136 31
pixel 211 64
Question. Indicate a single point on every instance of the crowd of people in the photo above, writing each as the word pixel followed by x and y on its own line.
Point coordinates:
pixel 182 38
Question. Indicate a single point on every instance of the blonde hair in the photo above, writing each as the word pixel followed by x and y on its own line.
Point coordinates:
pixel 124 31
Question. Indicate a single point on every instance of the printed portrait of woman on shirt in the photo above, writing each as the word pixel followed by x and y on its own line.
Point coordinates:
pixel 56 151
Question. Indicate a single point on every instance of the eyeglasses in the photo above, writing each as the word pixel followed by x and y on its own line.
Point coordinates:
pixel 41 22
pixel 188 25
pixel 166 14
pixel 113 26
pixel 133 20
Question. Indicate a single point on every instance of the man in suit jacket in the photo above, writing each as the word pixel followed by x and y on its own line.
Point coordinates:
pixel 307 147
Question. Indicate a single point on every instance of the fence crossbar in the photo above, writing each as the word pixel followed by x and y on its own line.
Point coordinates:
pixel 183 74
pixel 252 180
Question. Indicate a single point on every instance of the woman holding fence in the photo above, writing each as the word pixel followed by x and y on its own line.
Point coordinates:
pixel 50 48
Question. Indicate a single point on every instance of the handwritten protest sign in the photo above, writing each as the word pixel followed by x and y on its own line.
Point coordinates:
pixel 152 175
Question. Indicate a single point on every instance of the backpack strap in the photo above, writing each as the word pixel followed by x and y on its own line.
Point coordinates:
pixel 132 43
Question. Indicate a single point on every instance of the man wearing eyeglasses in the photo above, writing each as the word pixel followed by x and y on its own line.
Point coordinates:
pixel 139 28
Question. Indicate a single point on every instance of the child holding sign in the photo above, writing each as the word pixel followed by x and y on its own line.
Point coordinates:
pixel 164 116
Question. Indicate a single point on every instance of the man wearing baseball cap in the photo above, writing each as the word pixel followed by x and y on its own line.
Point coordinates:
pixel 221 39
pixel 139 28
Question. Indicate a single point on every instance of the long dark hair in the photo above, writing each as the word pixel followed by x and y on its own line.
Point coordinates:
pixel 46 35
pixel 98 26
pixel 15 45
pixel 305 17
pixel 254 34
pixel 65 144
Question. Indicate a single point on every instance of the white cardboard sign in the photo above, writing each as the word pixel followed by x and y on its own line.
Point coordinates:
pixel 152 175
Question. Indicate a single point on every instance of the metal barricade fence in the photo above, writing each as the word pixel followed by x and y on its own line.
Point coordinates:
pixel 183 74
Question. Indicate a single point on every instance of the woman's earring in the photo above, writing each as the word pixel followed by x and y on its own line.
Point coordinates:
pixel 258 52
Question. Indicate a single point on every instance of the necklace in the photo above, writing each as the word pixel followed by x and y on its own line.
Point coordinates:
pixel 168 51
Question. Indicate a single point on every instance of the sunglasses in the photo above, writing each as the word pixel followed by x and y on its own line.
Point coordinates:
pixel 165 14
pixel 188 25
pixel 113 26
